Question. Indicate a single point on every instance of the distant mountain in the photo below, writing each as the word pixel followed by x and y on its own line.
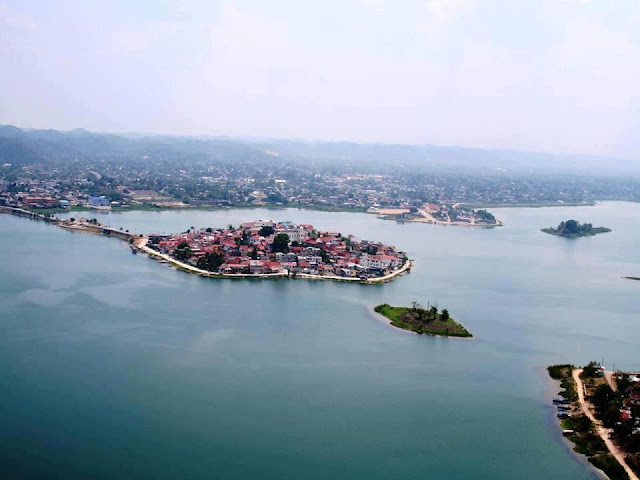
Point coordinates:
pixel 30 145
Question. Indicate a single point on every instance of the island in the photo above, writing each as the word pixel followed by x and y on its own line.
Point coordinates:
pixel 259 249
pixel 269 249
pixel 599 413
pixel 574 229
pixel 420 320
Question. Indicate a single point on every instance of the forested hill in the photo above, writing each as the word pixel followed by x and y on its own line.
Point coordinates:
pixel 24 146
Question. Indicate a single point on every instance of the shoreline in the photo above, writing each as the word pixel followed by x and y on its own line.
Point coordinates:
pixel 141 245
pixel 603 432
pixel 465 334
pixel 426 217
pixel 579 435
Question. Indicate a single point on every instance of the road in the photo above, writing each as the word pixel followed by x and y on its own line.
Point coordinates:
pixel 603 432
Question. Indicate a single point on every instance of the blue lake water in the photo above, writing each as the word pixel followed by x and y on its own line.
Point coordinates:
pixel 116 366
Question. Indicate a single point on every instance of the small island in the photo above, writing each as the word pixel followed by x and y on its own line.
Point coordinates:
pixel 420 320
pixel 574 229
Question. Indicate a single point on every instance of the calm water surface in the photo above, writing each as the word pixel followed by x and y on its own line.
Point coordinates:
pixel 115 366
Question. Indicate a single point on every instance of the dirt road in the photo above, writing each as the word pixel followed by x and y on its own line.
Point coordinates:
pixel 603 432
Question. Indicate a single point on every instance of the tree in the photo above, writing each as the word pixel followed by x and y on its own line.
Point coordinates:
pixel 415 305
pixel 591 369
pixel 280 243
pixel 571 226
pixel 434 312
pixel 266 231
pixel 210 261
pixel 445 315
pixel 183 252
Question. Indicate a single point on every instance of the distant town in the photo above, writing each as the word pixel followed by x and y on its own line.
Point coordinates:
pixel 50 170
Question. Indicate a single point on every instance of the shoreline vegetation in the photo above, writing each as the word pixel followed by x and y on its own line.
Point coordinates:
pixel 427 321
pixel 574 229
pixel 138 243
pixel 588 406
pixel 454 215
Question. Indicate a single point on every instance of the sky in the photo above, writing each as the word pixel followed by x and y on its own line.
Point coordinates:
pixel 560 76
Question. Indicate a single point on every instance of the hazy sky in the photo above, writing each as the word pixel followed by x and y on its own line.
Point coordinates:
pixel 544 75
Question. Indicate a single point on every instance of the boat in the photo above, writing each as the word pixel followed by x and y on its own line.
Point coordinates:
pixel 563 407
pixel 564 415
pixel 567 433
pixel 561 401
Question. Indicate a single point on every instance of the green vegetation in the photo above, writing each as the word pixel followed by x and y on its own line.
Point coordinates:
pixel 266 231
pixel 574 229
pixel 563 374
pixel 210 261
pixel 607 404
pixel 420 320
pixel 609 465
pixel 281 243
pixel 182 252
pixel 634 463
pixel 585 439
pixel 587 442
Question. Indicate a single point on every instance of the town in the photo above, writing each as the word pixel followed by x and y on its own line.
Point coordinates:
pixel 265 247
pixel 76 170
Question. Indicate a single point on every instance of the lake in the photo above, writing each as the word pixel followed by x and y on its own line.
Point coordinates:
pixel 116 366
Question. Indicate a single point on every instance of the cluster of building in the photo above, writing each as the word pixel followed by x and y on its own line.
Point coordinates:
pixel 261 248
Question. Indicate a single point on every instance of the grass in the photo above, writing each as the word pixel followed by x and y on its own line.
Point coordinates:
pixel 633 461
pixel 408 319
pixel 563 374
pixel 589 233
pixel 585 439
pixel 610 466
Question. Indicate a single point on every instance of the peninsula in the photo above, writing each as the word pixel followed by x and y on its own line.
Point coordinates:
pixel 456 214
pixel 420 320
pixel 599 413
pixel 574 229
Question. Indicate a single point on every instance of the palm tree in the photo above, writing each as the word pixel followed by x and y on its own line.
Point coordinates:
pixel 434 312
pixel 445 315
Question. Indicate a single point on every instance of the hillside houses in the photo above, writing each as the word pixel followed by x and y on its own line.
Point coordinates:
pixel 267 247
